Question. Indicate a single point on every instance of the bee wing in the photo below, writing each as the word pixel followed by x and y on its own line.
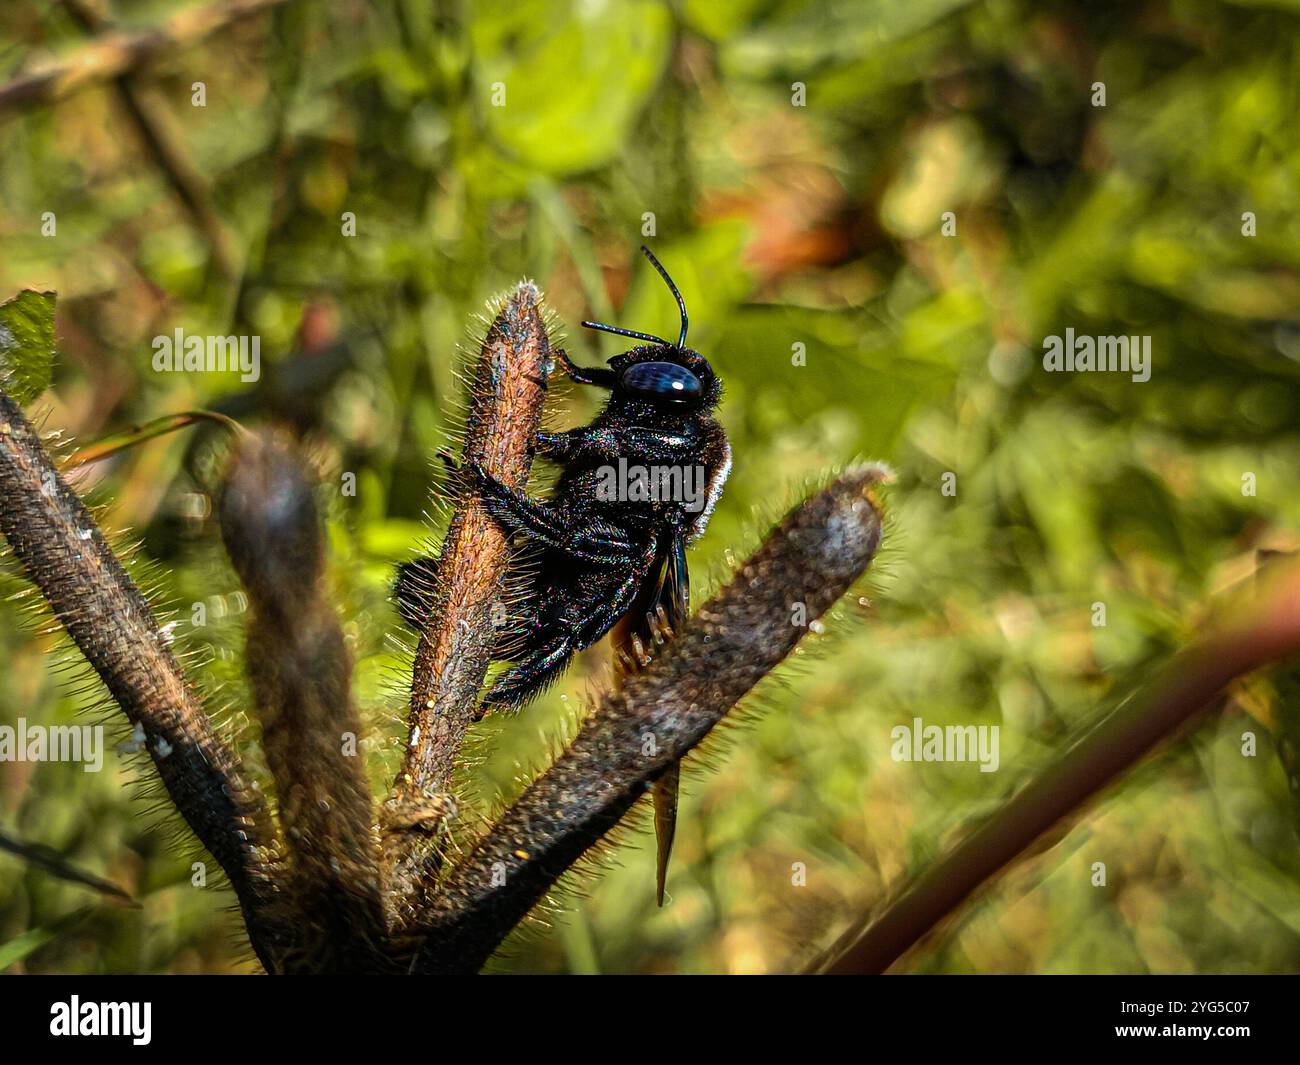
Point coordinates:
pixel 673 593
pixel 661 606
pixel 664 602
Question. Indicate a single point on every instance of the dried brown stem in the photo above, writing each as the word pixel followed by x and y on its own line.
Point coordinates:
pixel 735 640
pixel 452 658
pixel 117 53
pixel 1265 630
pixel 65 554
pixel 301 672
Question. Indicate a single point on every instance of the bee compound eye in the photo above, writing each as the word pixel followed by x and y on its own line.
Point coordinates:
pixel 664 381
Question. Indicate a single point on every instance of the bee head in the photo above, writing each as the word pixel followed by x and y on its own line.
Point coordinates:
pixel 658 372
pixel 666 376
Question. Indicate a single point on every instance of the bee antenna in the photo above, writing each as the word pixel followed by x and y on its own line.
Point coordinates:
pixel 681 303
pixel 625 333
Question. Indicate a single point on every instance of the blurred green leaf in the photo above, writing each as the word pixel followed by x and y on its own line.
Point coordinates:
pixel 27 344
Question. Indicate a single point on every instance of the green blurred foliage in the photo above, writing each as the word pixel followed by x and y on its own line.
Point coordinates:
pixel 27 344
pixel 784 225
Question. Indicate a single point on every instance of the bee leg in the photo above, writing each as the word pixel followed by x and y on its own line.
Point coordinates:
pixel 560 447
pixel 413 589
pixel 520 684
pixel 517 623
pixel 585 375
pixel 593 542
pixel 558 640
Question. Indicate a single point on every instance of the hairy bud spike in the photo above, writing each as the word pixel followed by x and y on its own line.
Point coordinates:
pixel 457 634
pixel 300 670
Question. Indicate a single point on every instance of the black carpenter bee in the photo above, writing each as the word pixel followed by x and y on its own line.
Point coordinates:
pixel 638 484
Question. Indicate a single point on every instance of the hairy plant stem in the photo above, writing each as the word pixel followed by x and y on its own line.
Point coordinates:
pixel 301 672
pixel 65 554
pixel 455 648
